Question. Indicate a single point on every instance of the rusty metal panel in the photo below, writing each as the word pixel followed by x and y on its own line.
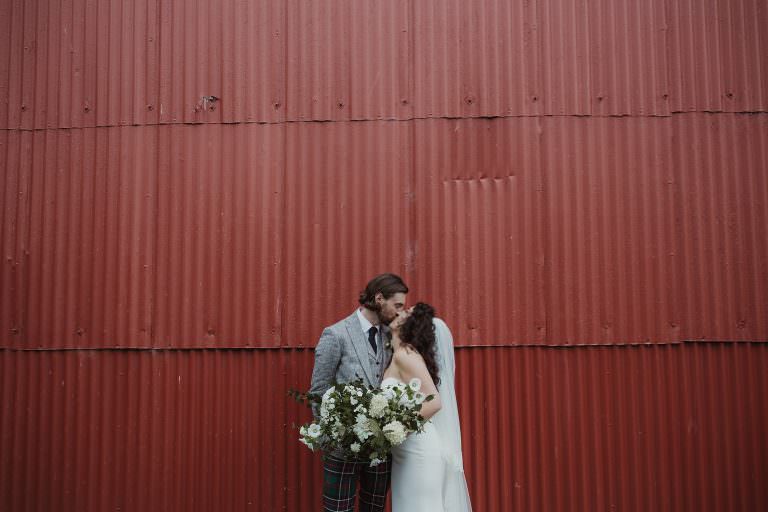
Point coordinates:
pixel 539 58
pixel 668 428
pixel 142 236
pixel 659 223
pixel 718 55
pixel 665 428
pixel 549 174
pixel 85 64
pixel 349 211
pixel 521 230
pixel 569 230
pixel 231 51
pixel 479 224
pixel 154 430
pixel 220 218
pixel 721 218
pixel 78 237
pixel 348 60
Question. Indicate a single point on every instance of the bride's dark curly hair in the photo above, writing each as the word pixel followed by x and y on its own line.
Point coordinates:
pixel 418 332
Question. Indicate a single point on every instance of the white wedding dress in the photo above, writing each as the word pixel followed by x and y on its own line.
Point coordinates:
pixel 428 468
pixel 418 470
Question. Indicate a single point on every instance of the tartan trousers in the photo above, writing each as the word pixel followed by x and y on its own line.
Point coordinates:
pixel 340 478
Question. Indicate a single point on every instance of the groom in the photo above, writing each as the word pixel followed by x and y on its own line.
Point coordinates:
pixel 355 347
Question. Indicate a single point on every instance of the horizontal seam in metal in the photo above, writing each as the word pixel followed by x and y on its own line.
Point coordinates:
pixel 389 119
pixel 458 347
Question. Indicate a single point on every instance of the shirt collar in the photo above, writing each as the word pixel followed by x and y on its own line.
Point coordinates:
pixel 365 324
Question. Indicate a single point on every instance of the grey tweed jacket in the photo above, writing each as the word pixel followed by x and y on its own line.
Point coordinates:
pixel 341 355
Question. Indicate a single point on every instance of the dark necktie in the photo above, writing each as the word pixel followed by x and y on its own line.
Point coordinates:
pixel 372 338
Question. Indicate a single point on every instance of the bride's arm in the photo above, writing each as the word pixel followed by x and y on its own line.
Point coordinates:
pixel 411 364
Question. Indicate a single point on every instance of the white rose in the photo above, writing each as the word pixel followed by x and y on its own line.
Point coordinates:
pixel 314 431
pixel 415 384
pixel 388 392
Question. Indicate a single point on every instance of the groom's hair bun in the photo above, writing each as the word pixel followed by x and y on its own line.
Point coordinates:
pixel 388 284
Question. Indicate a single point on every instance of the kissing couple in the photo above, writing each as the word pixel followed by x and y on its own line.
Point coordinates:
pixel 384 342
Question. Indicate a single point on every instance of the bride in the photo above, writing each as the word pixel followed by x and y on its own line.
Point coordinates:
pixel 427 469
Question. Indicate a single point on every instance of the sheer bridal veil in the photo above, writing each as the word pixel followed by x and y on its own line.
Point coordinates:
pixel 446 421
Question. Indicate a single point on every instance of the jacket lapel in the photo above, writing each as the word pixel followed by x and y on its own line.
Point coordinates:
pixel 360 344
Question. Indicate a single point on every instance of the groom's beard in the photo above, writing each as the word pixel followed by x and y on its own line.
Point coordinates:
pixel 383 319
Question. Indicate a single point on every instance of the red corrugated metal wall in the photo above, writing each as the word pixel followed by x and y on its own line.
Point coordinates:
pixel 580 188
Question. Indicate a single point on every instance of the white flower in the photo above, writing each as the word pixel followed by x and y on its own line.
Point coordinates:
pixel 364 427
pixel 419 397
pixel 404 400
pixel 328 392
pixel 389 389
pixel 415 384
pixel 360 408
pixel 355 447
pixel 394 431
pixel 308 443
pixel 378 405
pixel 314 431
pixel 326 404
pixel 303 431
pixel 353 400
pixel 361 433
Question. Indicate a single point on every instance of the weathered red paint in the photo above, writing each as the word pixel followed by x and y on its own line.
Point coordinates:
pixel 579 189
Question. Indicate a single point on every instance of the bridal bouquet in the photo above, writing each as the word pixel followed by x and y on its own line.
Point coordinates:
pixel 363 422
